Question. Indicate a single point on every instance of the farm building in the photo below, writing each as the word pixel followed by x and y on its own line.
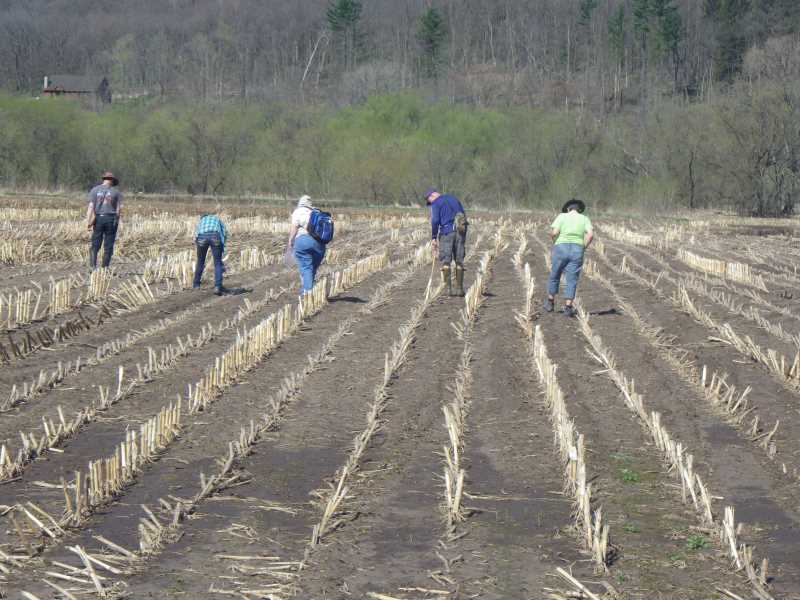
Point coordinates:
pixel 96 90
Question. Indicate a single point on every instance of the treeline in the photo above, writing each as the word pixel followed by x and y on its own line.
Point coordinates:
pixel 740 152
pixel 604 55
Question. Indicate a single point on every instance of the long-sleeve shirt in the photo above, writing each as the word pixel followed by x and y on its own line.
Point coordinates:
pixel 211 224
pixel 443 213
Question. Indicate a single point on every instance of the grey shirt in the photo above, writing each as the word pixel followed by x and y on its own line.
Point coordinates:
pixel 106 200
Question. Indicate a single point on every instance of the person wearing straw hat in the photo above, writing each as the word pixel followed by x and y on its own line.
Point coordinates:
pixel 308 251
pixel 103 217
pixel 449 231
pixel 571 233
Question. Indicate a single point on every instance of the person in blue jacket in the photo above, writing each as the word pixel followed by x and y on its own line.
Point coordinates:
pixel 449 231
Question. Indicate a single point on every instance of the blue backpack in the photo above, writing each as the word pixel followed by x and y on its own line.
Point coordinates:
pixel 320 226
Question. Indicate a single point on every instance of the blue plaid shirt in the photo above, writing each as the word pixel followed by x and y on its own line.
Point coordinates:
pixel 211 224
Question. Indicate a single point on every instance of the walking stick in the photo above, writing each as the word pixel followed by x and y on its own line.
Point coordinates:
pixel 430 279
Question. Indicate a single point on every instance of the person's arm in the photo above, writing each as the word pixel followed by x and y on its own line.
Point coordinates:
pixel 119 210
pixel 589 235
pixel 89 211
pixel 434 222
pixel 292 234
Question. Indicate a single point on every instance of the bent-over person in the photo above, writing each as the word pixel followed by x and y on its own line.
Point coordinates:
pixel 449 232
pixel 308 251
pixel 210 235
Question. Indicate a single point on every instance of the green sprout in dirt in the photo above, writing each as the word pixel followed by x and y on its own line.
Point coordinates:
pixel 677 558
pixel 697 542
pixel 630 476
pixel 631 528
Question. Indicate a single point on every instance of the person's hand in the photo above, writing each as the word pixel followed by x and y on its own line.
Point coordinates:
pixel 435 244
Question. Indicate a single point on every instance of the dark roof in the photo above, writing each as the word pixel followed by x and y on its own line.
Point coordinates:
pixel 74 83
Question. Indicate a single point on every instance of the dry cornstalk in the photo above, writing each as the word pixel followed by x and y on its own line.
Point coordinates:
pixel 739 272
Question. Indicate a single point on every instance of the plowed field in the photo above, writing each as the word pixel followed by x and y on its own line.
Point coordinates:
pixel 381 439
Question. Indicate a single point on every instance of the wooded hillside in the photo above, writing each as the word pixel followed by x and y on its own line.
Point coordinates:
pixel 542 52
pixel 656 103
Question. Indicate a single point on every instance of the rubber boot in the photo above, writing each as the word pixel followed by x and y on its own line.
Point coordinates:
pixel 446 279
pixel 459 281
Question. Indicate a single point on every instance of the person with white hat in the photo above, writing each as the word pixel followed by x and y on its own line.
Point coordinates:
pixel 308 251
pixel 103 218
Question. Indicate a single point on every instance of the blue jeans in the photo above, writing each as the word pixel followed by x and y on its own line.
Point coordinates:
pixel 309 254
pixel 104 234
pixel 567 259
pixel 204 242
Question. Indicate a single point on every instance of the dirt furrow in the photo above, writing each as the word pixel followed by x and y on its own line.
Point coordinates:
pixel 765 499
pixel 257 281
pixel 80 389
pixel 789 319
pixel 99 438
pixel 23 345
pixel 772 400
pixel 519 531
pixel 395 514
pixel 660 549
pixel 274 512
pixel 206 436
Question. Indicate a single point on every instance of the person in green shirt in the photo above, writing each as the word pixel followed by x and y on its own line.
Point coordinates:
pixel 571 233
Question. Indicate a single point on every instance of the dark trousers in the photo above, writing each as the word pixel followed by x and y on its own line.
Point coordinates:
pixel 204 242
pixel 104 234
pixel 452 247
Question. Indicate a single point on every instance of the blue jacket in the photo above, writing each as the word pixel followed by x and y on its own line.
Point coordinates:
pixel 443 213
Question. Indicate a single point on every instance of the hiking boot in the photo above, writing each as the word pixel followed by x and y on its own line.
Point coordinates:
pixel 219 290
pixel 459 291
pixel 446 280
pixel 569 311
pixel 549 305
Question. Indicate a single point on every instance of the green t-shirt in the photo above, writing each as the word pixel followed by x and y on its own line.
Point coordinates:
pixel 572 226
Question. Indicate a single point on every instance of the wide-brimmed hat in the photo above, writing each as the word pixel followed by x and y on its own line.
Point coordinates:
pixel 305 202
pixel 579 205
pixel 110 175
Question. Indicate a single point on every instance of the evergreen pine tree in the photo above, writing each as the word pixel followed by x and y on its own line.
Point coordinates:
pixel 343 18
pixel 730 18
pixel 585 11
pixel 431 34
pixel 616 34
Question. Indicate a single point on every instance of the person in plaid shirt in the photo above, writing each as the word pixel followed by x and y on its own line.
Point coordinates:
pixel 210 233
